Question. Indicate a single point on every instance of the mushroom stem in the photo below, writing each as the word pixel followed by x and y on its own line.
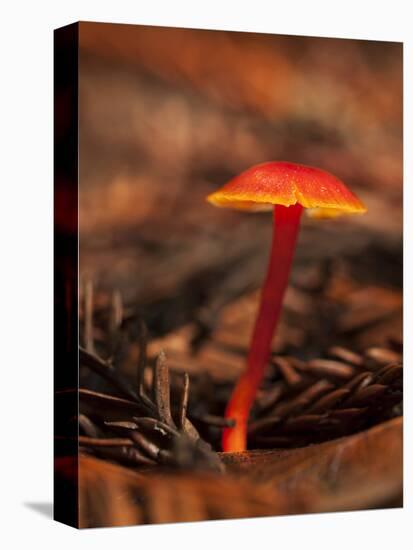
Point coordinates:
pixel 285 229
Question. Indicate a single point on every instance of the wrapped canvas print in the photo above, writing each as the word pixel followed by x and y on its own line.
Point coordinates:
pixel 228 275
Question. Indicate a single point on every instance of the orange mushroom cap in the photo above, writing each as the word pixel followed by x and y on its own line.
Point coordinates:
pixel 286 183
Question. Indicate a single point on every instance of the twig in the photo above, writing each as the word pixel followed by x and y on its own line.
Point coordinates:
pixel 88 426
pixel 147 446
pixel 151 425
pixel 183 405
pixel 126 454
pixel 109 373
pixel 161 390
pixel 86 441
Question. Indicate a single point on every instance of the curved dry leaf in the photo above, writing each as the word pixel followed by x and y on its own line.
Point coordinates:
pixel 357 472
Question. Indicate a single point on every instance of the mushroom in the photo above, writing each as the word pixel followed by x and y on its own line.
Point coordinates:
pixel 286 188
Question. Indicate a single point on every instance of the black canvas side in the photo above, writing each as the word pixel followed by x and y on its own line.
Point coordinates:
pixel 66 240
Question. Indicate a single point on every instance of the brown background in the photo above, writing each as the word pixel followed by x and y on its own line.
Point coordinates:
pixel 168 115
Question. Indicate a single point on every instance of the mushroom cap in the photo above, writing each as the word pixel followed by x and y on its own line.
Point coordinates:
pixel 286 183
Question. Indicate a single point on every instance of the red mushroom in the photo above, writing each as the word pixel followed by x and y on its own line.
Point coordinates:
pixel 287 188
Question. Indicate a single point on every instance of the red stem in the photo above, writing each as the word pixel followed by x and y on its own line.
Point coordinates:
pixel 285 230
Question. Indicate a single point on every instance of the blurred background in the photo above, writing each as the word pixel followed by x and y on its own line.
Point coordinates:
pixel 168 115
